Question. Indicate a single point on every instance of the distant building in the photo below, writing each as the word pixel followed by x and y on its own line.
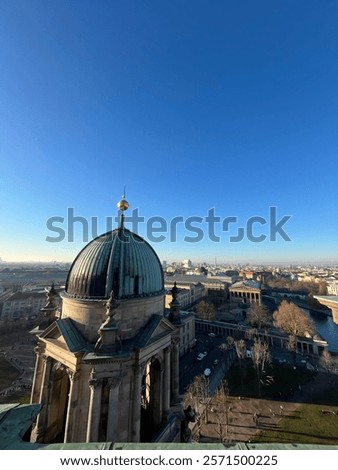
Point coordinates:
pixel 332 287
pixel 259 276
pixel 245 274
pixel 286 294
pixel 187 296
pixel 187 332
pixel 5 295
pixel 245 292
pixel 187 263
pixel 23 306
pixel 227 278
pixel 214 288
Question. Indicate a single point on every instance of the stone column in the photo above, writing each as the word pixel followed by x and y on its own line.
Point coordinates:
pixel 38 373
pixel 157 397
pixel 166 383
pixel 94 411
pixel 136 414
pixel 113 410
pixel 42 419
pixel 175 370
pixel 71 407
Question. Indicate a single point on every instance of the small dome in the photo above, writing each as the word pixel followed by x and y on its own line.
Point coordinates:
pixel 118 261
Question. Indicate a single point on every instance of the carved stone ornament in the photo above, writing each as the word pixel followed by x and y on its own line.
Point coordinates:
pixel 58 366
pixel 111 306
pixel 72 374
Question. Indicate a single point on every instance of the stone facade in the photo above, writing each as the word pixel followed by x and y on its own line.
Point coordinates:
pixel 91 395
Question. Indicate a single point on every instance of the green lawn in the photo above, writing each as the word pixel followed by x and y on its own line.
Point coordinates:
pixel 8 373
pixel 307 425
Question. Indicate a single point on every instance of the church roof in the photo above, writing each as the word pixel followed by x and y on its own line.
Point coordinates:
pixel 118 261
pixel 156 328
pixel 65 328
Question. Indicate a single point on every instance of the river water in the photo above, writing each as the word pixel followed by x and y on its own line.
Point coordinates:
pixel 327 329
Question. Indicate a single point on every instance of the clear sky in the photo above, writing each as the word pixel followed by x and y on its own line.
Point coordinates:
pixel 193 105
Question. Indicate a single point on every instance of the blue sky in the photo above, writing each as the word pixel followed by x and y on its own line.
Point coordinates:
pixel 192 105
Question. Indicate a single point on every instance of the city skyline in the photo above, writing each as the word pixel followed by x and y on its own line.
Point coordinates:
pixel 192 106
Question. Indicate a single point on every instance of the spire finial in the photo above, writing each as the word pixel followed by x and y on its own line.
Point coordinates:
pixel 122 205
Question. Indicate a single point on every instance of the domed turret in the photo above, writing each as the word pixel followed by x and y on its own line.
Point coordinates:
pixel 118 261
pixel 119 264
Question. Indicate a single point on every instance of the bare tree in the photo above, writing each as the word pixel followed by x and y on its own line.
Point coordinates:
pixel 230 341
pixel 260 356
pixel 197 392
pixel 327 362
pixel 309 287
pixel 221 401
pixel 224 348
pixel 251 333
pixel 292 320
pixel 240 348
pixel 206 310
pixel 292 347
pixel 258 316
pixel 228 352
pixel 197 396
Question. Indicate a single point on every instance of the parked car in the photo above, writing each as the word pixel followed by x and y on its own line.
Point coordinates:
pixel 201 356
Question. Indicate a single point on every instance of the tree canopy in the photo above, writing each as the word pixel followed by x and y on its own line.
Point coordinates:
pixel 206 310
pixel 258 316
pixel 292 320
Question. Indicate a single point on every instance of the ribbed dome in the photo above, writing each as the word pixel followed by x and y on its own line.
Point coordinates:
pixel 120 261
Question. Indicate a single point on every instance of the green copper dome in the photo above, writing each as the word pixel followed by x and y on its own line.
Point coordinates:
pixel 118 261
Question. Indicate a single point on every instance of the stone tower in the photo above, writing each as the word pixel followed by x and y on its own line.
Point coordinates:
pixel 107 367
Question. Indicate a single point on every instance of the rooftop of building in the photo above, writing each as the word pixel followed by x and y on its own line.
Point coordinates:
pixel 26 295
pixel 194 279
pixel 248 284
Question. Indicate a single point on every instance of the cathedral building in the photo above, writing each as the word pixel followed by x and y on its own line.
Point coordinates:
pixel 107 365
